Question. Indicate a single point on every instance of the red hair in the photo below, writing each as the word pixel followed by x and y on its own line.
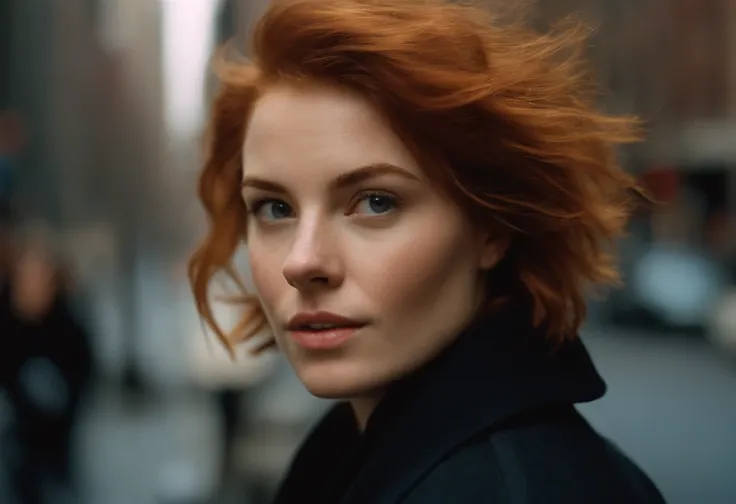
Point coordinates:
pixel 502 118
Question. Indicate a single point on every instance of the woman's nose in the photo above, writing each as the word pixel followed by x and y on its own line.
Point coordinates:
pixel 312 262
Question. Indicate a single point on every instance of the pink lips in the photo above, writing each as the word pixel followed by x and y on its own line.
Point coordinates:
pixel 322 330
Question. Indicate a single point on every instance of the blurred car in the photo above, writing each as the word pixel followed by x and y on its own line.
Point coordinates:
pixel 678 285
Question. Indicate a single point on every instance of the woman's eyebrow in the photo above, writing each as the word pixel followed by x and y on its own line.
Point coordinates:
pixel 353 177
pixel 370 171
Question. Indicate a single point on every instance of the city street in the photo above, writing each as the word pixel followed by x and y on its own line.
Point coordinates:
pixel 671 404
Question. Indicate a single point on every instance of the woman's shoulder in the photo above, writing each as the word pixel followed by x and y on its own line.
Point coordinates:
pixel 551 455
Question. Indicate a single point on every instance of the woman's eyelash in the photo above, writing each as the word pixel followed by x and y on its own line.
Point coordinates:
pixel 382 198
pixel 256 205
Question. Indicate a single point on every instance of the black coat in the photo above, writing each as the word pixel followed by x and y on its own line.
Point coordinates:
pixel 492 420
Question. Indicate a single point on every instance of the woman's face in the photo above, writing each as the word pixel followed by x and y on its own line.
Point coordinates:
pixel 364 270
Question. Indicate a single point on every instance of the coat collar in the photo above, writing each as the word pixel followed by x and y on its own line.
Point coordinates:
pixel 497 369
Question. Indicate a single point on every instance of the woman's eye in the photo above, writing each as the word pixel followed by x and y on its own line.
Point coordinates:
pixel 376 204
pixel 271 210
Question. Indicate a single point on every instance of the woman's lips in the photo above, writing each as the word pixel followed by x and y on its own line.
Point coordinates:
pixel 323 339
pixel 322 330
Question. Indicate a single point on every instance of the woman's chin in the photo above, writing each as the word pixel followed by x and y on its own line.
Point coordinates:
pixel 336 382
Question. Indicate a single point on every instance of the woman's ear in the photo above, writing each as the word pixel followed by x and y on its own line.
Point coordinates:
pixel 493 249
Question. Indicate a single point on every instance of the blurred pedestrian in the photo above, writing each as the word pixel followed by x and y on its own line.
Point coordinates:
pixel 45 367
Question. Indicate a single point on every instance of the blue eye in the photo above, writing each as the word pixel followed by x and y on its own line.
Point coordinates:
pixel 271 210
pixel 376 204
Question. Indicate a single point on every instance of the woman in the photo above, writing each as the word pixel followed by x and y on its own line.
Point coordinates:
pixel 426 196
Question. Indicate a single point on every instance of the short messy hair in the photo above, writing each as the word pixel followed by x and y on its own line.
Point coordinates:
pixel 503 118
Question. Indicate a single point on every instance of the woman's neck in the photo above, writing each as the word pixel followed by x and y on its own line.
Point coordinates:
pixel 363 407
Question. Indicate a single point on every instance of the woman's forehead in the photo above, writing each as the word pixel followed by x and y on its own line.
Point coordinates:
pixel 295 128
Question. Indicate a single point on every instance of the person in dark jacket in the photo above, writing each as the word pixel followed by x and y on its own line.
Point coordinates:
pixel 46 368
pixel 426 195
